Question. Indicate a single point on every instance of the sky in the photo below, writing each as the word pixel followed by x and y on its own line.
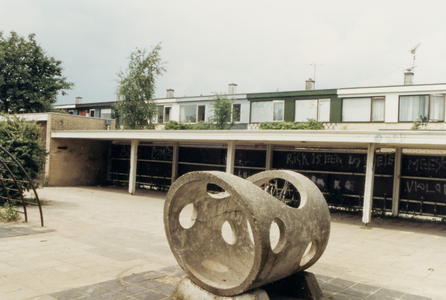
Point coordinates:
pixel 262 46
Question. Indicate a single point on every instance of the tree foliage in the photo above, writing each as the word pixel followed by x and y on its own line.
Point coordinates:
pixel 222 108
pixel 23 140
pixel 135 107
pixel 29 79
pixel 174 125
pixel 312 124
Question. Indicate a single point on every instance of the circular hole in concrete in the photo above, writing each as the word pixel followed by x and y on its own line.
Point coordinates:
pixel 188 215
pixel 309 253
pixel 216 191
pixel 283 190
pixel 277 236
pixel 227 232
pixel 251 236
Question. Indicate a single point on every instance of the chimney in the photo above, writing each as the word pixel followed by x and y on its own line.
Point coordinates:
pixel 309 84
pixel 232 88
pixel 78 100
pixel 169 93
pixel 408 77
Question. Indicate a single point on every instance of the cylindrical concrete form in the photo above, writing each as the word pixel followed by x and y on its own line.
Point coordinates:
pixel 223 241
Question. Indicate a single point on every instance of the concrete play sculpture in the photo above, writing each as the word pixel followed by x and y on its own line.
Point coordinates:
pixel 228 265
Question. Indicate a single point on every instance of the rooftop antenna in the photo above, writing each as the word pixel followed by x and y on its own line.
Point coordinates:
pixel 314 70
pixel 413 53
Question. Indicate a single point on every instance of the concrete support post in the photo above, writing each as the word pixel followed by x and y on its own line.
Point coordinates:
pixel 230 157
pixel 133 163
pixel 369 181
pixel 176 148
pixel 269 157
pixel 396 182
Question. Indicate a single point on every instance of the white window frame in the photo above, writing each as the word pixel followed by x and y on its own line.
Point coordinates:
pixel 240 112
pixel 442 110
pixel 196 112
pixel 369 109
pixel 198 115
pixel 269 115
pixel 107 111
pixel 157 117
pixel 274 109
pixel 374 99
pixel 170 114
pixel 426 115
pixel 318 110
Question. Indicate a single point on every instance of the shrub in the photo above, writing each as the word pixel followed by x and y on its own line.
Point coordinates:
pixel 418 124
pixel 312 124
pixel 8 213
pixel 203 126
pixel 22 139
pixel 174 125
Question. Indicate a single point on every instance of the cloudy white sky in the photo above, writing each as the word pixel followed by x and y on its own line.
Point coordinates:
pixel 263 46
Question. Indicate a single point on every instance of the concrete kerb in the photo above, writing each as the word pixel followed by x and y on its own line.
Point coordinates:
pixel 96 234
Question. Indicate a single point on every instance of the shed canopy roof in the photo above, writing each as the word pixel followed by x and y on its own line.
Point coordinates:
pixel 305 138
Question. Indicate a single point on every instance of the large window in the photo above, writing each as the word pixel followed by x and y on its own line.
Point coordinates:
pixel 267 111
pixel 188 113
pixel 378 104
pixel 167 110
pixel 106 113
pixel 201 113
pixel 192 113
pixel 436 112
pixel 413 107
pixel 278 110
pixel 363 109
pixel 236 112
pixel 424 107
pixel 318 109
pixel 160 114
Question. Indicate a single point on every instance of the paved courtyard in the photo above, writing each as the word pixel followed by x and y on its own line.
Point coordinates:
pixel 102 243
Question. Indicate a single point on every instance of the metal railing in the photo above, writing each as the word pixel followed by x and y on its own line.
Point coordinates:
pixel 13 188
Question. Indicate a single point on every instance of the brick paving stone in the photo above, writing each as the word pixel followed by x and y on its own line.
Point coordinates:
pixel 386 294
pixel 67 295
pixel 127 289
pixel 149 295
pixel 166 289
pixel 143 276
pixel 360 290
pixel 341 296
pixel 14 230
pixel 337 285
pixel 107 294
pixel 149 284
pixel 90 289
pixel 173 270
pixel 414 297
pixel 323 279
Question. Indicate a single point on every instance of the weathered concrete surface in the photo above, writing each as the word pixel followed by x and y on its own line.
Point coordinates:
pixel 187 290
pixel 249 259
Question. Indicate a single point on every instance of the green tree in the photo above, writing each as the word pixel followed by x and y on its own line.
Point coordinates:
pixel 23 140
pixel 135 107
pixel 223 113
pixel 29 79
